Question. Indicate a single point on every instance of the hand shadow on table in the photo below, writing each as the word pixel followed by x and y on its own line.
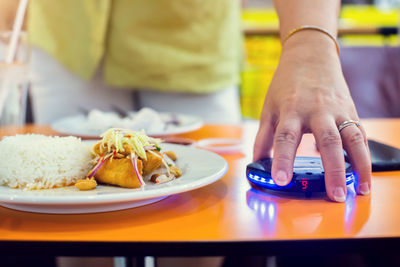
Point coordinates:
pixel 174 207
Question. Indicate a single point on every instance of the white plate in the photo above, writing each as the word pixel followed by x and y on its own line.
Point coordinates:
pixel 199 167
pixel 77 125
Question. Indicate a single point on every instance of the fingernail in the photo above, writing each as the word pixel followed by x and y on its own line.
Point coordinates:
pixel 338 194
pixel 281 178
pixel 363 188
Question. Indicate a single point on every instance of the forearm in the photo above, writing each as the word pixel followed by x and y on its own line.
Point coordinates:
pixel 295 13
pixel 308 93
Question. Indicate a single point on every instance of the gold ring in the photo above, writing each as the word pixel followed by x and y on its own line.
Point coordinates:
pixel 348 123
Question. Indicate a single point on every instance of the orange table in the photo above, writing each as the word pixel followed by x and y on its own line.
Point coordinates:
pixel 223 218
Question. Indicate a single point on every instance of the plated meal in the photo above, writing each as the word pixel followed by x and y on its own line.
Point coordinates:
pixel 145 119
pixel 124 169
pixel 153 122
pixel 122 158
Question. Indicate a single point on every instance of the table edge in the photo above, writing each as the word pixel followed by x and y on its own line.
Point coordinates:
pixel 200 248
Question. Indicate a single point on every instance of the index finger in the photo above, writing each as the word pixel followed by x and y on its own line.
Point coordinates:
pixel 264 140
pixel 330 146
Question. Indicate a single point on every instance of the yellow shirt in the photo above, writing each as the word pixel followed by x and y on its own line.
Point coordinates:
pixel 168 45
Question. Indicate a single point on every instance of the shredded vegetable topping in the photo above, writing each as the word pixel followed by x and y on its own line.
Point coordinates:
pixel 135 167
pixel 98 165
pixel 142 151
pixel 116 138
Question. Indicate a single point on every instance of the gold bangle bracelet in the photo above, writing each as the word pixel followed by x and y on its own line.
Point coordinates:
pixel 313 28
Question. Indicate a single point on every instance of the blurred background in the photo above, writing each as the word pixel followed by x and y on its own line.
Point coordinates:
pixel 368 35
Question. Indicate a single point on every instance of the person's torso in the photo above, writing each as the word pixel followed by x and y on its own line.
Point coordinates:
pixel 178 45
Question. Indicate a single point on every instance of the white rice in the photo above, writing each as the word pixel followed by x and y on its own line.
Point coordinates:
pixel 37 162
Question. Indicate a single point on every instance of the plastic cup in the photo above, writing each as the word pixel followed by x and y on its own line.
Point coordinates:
pixel 14 81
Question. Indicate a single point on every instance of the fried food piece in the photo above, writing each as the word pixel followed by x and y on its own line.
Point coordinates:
pixel 119 172
pixel 154 177
pixel 161 178
pixel 152 163
pixel 98 149
pixel 127 150
pixel 86 184
pixel 175 171
pixel 171 155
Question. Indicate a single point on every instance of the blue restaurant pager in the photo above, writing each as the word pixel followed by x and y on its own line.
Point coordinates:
pixel 308 176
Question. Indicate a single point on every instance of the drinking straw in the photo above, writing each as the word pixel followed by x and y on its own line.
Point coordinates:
pixel 19 19
pixel 12 49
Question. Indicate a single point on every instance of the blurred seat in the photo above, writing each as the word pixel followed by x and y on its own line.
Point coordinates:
pixel 373 77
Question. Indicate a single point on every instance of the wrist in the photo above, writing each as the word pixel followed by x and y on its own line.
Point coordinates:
pixel 309 42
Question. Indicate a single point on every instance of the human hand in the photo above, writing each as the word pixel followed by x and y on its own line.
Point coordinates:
pixel 308 93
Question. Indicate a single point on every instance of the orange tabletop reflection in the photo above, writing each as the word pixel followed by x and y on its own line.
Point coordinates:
pixel 228 210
